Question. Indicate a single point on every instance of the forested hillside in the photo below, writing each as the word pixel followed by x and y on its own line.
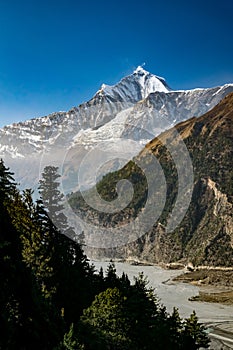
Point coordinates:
pixel 52 299
pixel 205 234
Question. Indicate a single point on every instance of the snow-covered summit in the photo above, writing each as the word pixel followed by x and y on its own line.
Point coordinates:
pixel 140 70
pixel 134 87
pixel 137 108
pixel 150 82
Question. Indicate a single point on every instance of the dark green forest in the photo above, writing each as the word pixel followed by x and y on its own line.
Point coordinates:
pixel 52 298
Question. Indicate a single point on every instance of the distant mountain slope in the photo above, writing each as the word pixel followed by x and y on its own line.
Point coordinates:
pixel 137 108
pixel 205 235
pixel 35 135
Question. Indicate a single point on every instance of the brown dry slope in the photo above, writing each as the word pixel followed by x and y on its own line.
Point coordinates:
pixel 205 235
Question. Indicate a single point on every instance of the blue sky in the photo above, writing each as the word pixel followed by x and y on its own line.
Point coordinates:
pixel 56 54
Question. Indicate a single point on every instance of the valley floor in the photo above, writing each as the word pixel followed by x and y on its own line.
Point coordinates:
pixel 214 285
pixel 221 335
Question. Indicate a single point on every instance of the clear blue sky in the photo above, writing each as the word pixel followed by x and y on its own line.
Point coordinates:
pixel 55 54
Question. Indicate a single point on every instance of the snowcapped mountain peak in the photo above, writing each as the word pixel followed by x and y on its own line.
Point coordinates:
pixel 140 70
pixel 149 82
pixel 137 107
pixel 134 87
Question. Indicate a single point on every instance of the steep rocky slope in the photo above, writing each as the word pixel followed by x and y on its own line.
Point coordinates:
pixel 205 234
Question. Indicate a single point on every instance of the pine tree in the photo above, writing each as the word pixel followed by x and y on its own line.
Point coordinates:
pixel 194 333
pixel 23 314
pixel 72 274
pixel 70 341
pixel 7 183
pixel 111 279
pixel 106 322
pixel 10 263
pixel 175 327
pixel 53 199
pixel 33 224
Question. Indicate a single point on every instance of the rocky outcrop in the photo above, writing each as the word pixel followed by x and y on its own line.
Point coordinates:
pixel 205 234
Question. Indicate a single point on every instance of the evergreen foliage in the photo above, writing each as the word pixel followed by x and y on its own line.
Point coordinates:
pixel 52 299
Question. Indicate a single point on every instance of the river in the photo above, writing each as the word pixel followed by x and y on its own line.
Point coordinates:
pixel 174 294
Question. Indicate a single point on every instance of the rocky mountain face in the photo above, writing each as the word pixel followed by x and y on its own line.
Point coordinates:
pixel 137 108
pixel 203 234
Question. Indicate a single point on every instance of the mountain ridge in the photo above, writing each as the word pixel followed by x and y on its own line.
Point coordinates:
pixel 205 235
pixel 135 111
